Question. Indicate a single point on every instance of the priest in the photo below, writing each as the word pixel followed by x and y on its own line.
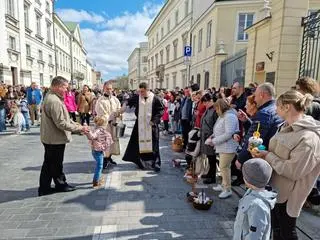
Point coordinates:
pixel 143 147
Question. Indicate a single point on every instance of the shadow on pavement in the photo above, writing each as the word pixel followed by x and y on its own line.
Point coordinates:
pixel 11 195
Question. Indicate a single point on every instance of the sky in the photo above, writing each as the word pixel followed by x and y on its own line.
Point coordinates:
pixel 110 29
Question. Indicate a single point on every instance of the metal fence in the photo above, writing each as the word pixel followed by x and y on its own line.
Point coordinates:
pixel 233 69
pixel 310 49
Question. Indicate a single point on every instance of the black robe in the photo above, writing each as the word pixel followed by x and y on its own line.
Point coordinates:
pixel 132 153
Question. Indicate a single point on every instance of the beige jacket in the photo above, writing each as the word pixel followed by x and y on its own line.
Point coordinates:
pixel 84 102
pixel 107 105
pixel 295 158
pixel 56 126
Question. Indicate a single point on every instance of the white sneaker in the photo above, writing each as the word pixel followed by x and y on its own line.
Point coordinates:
pixel 225 194
pixel 217 188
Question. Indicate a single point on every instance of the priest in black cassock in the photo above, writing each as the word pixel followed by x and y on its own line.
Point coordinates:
pixel 143 147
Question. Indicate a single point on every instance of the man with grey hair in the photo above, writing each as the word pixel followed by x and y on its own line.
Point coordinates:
pixel 266 118
pixel 55 132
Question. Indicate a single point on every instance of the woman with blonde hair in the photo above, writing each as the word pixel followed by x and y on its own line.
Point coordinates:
pixel 295 158
pixel 226 125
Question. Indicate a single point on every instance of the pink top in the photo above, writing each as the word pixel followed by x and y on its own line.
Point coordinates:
pixel 70 102
pixel 100 139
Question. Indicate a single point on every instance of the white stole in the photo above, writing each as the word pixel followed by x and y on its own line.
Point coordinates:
pixel 144 127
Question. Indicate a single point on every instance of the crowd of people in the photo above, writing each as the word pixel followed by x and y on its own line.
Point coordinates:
pixel 280 175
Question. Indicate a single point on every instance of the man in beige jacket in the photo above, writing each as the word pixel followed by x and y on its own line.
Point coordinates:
pixel 109 107
pixel 55 131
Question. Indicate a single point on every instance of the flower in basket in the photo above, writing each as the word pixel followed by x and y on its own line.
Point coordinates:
pixel 255 142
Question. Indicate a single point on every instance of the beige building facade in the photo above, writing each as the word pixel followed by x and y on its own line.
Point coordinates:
pixel 138 65
pixel 217 33
pixel 167 36
pixel 275 41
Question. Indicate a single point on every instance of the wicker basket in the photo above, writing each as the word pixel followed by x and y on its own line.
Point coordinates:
pixel 177 144
pixel 201 206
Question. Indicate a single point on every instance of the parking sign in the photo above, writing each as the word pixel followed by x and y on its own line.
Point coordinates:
pixel 187 51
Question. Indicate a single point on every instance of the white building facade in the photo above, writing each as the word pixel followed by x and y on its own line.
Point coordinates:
pixel 26 42
pixel 167 36
pixel 138 65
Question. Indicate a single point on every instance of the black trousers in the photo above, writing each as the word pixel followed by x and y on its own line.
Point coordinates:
pixel 283 226
pixel 166 125
pixel 73 116
pixel 186 128
pixel 52 167
pixel 213 167
pixel 85 117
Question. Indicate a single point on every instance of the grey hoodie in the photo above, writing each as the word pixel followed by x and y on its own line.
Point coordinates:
pixel 253 221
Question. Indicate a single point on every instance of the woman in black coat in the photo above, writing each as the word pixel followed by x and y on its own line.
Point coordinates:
pixel 206 129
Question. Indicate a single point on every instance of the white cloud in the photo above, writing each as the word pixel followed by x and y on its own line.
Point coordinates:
pixel 112 40
pixel 79 16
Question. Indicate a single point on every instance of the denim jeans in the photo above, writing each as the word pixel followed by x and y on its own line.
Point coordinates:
pixel 98 156
pixel 2 119
pixel 26 120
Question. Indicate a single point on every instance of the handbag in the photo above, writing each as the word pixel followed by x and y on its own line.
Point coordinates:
pixel 201 165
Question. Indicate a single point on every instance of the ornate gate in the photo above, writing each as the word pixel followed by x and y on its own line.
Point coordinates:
pixel 310 49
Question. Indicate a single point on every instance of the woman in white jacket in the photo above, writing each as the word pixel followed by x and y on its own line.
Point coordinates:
pixel 223 130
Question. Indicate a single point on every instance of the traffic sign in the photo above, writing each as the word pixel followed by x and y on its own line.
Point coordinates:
pixel 187 51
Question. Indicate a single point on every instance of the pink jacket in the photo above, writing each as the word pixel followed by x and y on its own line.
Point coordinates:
pixel 70 102
pixel 100 139
pixel 165 116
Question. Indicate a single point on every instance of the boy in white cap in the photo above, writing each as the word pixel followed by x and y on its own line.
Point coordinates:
pixel 253 221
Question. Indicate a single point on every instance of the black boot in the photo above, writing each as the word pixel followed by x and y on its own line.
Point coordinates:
pixel 105 163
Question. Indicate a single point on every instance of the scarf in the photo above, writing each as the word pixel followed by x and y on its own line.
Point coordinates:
pixel 144 128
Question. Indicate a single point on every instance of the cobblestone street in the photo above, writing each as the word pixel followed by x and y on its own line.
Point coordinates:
pixel 133 205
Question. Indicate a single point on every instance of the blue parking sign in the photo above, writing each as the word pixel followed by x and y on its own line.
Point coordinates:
pixel 187 51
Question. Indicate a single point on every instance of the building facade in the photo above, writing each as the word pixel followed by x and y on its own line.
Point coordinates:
pixel 167 36
pixel 217 33
pixel 26 42
pixel 138 65
pixel 88 76
pixel 275 43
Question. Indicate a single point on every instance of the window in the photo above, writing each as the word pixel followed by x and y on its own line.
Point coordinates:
pixel 48 7
pixel 186 8
pixel 209 31
pixel 168 26
pixel 38 19
pixel 28 50
pixel 162 32
pixel 157 38
pixel 200 41
pixel 168 53
pixel 10 7
pixel 26 15
pixel 161 57
pixel 48 32
pixel 156 57
pixel 198 79
pixel 177 17
pixel 60 40
pixel 152 66
pixel 12 43
pixel 41 79
pixel 206 80
pixel 63 62
pixel 149 65
pixel 245 21
pixel 184 41
pixel 175 49
pixel 152 42
pixel 50 59
pixel 174 80
pixel 144 59
pixel 194 44
pixel 40 55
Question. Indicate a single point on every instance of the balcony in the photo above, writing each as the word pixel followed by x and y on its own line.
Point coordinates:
pixel 78 75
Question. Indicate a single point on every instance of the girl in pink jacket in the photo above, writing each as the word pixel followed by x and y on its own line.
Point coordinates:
pixel 70 102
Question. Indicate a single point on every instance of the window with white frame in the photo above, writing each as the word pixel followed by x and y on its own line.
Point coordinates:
pixel 245 20
pixel 156 57
pixel 48 32
pixel 186 8
pixel 10 7
pixel 38 20
pixel 41 79
pixel 161 57
pixel 177 17
pixel 152 66
pixel 26 15
pixel 209 32
pixel 194 44
pixel 200 40
pixel 28 50
pixel 162 32
pixel 144 59
pixel 168 53
pixel 168 26
pixel 47 6
pixel 50 59
pixel 12 43
pixel 40 55
pixel 157 38
pixel 175 49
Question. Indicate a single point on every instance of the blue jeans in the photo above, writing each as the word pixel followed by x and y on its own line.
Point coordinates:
pixel 26 120
pixel 2 119
pixel 98 156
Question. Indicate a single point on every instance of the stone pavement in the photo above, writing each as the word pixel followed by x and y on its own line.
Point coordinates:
pixel 133 205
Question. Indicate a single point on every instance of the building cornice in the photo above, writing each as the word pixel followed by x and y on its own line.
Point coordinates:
pixel 58 20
